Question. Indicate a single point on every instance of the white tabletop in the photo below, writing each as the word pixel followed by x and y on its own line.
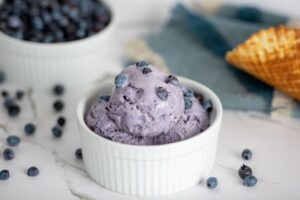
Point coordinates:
pixel 275 145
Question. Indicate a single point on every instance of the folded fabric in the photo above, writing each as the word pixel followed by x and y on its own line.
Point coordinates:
pixel 251 14
pixel 194 46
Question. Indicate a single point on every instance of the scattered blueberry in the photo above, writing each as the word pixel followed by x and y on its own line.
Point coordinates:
pixel 4 93
pixel 142 64
pixel 162 93
pixel 245 171
pixel 247 154
pixel 2 77
pixel 103 98
pixel 58 89
pixel 4 175
pixel 207 105
pixel 58 105
pixel 29 129
pixel 212 182
pixel 189 93
pixel 8 154
pixel 14 110
pixel 61 121
pixel 146 70
pixel 172 80
pixel 13 140
pixel 33 171
pixel 121 80
pixel 57 131
pixel 250 181
pixel 19 94
pixel 8 102
pixel 187 103
pixel 78 153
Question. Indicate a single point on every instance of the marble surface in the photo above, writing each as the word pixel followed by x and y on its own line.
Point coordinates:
pixel 274 142
pixel 275 162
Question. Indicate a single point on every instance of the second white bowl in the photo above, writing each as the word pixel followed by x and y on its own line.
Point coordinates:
pixel 73 64
pixel 149 170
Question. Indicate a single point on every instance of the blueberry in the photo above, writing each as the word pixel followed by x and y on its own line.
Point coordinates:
pixel 189 93
pixel 172 80
pixel 80 33
pixel 4 93
pixel 245 171
pixel 48 38
pixel 212 182
pixel 78 153
pixel 146 70
pixel 187 103
pixel 208 106
pixel 61 121
pixel 13 140
pixel 29 129
pixel 83 24
pixel 247 154
pixel 57 16
pixel 162 93
pixel 4 175
pixel 59 35
pixel 2 77
pixel 8 154
pixel 58 105
pixel 142 64
pixel 250 181
pixel 46 17
pixel 57 131
pixel 74 14
pixel 103 98
pixel 19 94
pixel 58 89
pixel 8 102
pixel 14 22
pixel 18 35
pixel 64 22
pixel 33 171
pixel 121 80
pixel 14 110
pixel 37 23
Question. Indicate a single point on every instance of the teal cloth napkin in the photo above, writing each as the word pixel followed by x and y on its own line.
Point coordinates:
pixel 194 45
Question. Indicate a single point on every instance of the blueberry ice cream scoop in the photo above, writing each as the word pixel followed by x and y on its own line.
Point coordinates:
pixel 147 107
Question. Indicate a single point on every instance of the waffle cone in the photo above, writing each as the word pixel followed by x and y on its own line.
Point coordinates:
pixel 273 56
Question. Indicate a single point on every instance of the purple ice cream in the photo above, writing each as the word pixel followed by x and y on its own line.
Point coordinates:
pixel 147 107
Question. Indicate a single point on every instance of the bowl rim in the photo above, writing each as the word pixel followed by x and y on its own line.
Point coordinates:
pixel 111 25
pixel 212 96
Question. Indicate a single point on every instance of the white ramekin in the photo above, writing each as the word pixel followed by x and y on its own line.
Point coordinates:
pixel 74 64
pixel 149 170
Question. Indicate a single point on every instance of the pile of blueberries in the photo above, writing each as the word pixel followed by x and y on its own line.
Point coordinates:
pixel 29 128
pixel 52 21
